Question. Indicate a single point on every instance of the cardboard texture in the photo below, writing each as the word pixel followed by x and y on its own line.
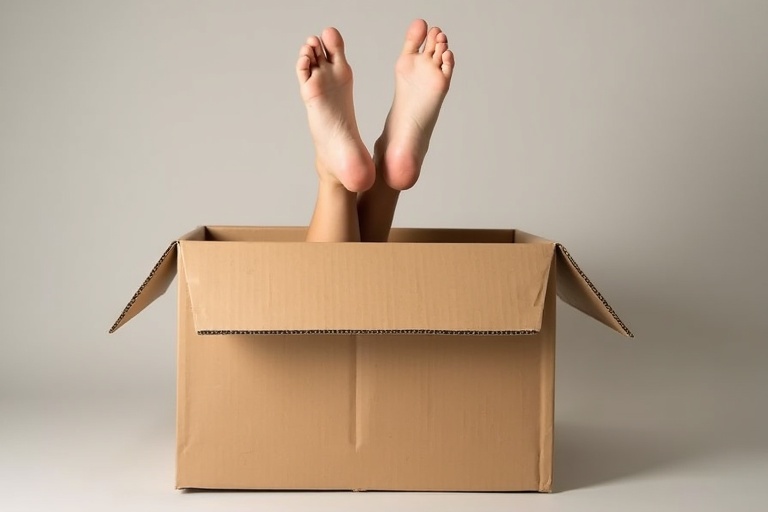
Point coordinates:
pixel 422 364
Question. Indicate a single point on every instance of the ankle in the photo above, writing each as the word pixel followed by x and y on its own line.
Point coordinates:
pixel 329 186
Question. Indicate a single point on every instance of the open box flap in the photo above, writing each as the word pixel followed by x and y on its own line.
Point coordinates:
pixel 299 288
pixel 157 282
pixel 577 290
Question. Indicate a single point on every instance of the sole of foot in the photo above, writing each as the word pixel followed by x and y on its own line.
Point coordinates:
pixel 422 78
pixel 325 82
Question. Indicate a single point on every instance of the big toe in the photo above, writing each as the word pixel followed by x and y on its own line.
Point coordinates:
pixel 334 44
pixel 414 37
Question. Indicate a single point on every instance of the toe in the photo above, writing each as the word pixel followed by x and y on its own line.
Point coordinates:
pixel 429 47
pixel 415 36
pixel 334 45
pixel 448 63
pixel 303 68
pixel 306 51
pixel 317 49
pixel 440 49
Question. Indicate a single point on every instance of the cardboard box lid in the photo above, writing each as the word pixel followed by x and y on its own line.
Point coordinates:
pixel 158 280
pixel 297 287
pixel 576 289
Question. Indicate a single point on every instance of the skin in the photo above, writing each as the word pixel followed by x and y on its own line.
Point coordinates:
pixel 357 193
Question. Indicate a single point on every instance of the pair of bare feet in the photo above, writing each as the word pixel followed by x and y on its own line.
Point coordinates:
pixel 422 77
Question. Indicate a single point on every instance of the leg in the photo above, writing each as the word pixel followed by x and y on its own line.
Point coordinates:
pixel 376 206
pixel 343 163
pixel 422 79
pixel 335 217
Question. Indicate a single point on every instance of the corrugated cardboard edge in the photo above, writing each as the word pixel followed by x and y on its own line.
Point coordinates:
pixel 346 332
pixel 587 287
pixel 157 282
pixel 151 288
pixel 586 297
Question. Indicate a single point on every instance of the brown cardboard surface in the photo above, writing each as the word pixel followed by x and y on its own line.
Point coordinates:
pixel 277 287
pixel 255 234
pixel 378 407
pixel 365 412
pixel 523 237
pixel 420 235
pixel 446 235
pixel 157 282
pixel 577 290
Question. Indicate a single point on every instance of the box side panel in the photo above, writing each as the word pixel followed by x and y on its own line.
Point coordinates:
pixel 299 234
pixel 184 329
pixel 443 235
pixel 523 237
pixel 547 382
pixel 452 413
pixel 255 234
pixel 264 412
pixel 467 413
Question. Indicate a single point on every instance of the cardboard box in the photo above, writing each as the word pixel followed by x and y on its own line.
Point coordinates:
pixel 422 364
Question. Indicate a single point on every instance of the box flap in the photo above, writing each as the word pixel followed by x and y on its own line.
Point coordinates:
pixel 348 288
pixel 157 282
pixel 576 289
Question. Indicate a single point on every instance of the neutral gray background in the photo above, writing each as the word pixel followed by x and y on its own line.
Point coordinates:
pixel 634 132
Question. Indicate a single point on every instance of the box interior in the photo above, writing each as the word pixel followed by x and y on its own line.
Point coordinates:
pixel 407 235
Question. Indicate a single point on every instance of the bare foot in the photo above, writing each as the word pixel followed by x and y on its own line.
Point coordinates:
pixel 422 79
pixel 325 80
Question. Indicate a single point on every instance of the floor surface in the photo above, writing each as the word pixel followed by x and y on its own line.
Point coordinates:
pixel 110 455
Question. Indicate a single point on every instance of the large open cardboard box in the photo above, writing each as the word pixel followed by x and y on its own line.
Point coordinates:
pixel 422 364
